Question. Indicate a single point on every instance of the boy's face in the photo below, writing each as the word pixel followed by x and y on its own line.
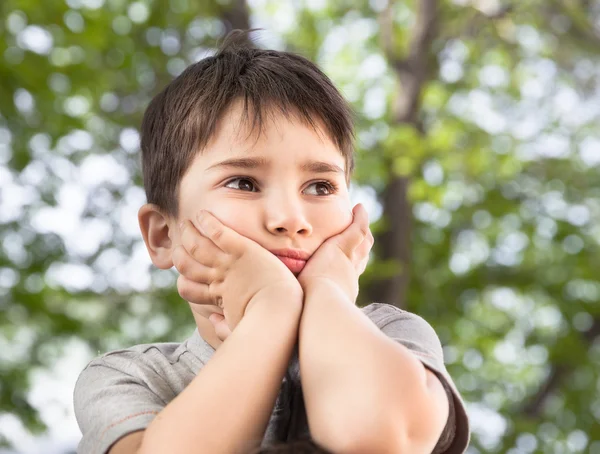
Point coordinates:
pixel 281 203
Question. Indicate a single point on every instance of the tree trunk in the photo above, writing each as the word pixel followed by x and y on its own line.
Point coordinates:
pixel 236 16
pixel 412 73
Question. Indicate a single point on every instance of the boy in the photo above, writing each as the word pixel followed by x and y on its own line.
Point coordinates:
pixel 247 158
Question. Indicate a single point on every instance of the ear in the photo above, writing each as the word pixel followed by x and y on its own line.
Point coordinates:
pixel 157 229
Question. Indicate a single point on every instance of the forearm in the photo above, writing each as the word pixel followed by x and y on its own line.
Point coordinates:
pixel 357 383
pixel 226 408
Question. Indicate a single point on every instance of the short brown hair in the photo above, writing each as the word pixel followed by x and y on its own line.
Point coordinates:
pixel 181 120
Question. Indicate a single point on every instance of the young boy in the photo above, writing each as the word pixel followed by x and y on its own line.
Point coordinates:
pixel 247 158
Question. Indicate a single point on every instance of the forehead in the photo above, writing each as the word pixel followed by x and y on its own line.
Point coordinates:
pixel 241 132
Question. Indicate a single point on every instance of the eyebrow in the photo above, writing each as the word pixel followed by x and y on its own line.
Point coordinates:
pixel 255 163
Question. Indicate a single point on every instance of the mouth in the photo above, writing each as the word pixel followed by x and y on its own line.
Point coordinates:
pixel 294 259
pixel 294 265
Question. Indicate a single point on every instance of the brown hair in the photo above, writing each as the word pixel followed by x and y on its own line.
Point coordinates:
pixel 181 120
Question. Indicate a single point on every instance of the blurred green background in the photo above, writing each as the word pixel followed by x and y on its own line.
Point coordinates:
pixel 478 158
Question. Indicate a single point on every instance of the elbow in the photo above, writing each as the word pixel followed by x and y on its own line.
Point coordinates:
pixel 401 439
pixel 412 426
pixel 395 443
pixel 429 417
pixel 379 433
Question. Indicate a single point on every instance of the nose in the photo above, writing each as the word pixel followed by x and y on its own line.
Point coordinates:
pixel 285 216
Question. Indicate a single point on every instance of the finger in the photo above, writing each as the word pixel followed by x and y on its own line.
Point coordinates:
pixel 191 268
pixel 226 239
pixel 220 325
pixel 362 266
pixel 201 249
pixel 356 232
pixel 363 249
pixel 362 257
pixel 194 292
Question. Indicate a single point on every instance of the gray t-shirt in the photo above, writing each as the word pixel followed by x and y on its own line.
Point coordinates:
pixel 122 391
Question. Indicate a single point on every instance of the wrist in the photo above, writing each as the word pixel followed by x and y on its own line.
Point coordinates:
pixel 322 284
pixel 284 298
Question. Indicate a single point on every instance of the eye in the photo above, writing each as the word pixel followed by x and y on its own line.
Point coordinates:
pixel 322 188
pixel 244 184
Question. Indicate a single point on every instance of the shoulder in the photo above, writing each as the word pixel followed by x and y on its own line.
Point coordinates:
pixel 408 328
pixel 127 359
pixel 151 365
pixel 169 351
pixel 121 391
pixel 382 314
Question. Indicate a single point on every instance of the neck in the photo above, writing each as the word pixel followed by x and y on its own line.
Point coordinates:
pixel 206 329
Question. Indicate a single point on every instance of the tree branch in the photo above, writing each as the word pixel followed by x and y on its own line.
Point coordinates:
pixel 413 73
pixel 423 33
pixel 558 372
pixel 386 39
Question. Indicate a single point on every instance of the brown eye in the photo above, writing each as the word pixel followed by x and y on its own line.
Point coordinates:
pixel 321 188
pixel 244 184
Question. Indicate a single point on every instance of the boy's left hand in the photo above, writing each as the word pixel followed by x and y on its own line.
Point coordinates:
pixel 343 257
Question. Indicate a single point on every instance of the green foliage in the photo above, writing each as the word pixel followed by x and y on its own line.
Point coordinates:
pixel 505 213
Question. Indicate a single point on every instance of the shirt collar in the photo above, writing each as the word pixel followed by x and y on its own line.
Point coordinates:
pixel 199 347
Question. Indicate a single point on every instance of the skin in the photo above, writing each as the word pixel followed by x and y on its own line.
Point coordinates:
pixel 220 245
pixel 278 205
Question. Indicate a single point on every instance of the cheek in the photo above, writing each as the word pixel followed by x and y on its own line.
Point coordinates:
pixel 237 216
pixel 332 219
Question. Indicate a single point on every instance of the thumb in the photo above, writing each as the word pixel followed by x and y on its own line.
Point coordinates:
pixel 220 325
pixel 356 232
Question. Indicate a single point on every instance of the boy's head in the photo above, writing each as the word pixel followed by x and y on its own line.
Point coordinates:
pixel 283 127
pixel 184 117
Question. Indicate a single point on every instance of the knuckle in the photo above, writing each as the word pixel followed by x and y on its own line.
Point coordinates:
pixel 193 249
pixel 182 267
pixel 180 263
pixel 217 278
pixel 213 298
pixel 217 233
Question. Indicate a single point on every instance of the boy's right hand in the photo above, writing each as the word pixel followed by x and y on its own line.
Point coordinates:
pixel 219 266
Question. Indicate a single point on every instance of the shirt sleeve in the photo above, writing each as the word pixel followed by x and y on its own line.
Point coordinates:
pixel 416 334
pixel 112 398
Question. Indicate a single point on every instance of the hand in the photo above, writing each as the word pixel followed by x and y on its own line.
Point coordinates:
pixel 343 257
pixel 218 266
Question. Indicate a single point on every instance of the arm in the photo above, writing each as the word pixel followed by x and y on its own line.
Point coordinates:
pixel 358 381
pixel 226 408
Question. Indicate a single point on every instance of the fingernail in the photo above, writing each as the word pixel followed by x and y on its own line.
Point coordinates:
pixel 181 224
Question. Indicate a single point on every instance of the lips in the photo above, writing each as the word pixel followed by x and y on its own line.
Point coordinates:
pixel 294 265
pixel 294 259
